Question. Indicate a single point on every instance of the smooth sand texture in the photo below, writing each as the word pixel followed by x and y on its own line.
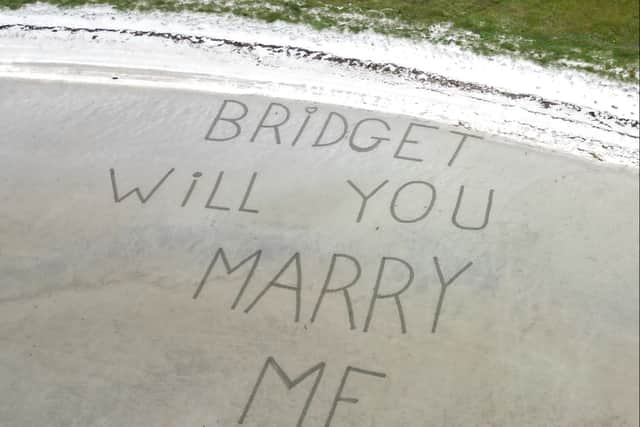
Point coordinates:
pixel 98 321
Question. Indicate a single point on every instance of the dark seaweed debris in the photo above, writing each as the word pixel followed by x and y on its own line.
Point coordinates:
pixel 603 119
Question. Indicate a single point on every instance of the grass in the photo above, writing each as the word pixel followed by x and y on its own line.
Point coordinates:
pixel 593 35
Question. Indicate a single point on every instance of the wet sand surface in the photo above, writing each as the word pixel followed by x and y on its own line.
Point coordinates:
pixel 439 277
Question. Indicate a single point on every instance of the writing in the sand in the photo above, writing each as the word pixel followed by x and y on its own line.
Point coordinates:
pixel 197 189
pixel 468 210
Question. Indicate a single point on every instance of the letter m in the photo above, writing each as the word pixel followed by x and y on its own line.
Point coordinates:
pixel 229 269
pixel 289 383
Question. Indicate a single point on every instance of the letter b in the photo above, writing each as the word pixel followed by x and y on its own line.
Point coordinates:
pixel 233 121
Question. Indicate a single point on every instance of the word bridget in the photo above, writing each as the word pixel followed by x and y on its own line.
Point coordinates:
pixel 364 136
